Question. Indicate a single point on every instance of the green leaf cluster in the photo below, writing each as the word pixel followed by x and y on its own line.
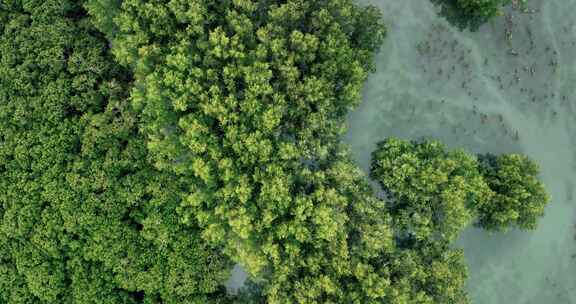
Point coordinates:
pixel 84 218
pixel 433 194
pixel 520 198
pixel 470 14
pixel 433 191
pixel 145 146
pixel 246 100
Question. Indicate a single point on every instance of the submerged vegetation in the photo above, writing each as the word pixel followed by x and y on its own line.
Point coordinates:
pixel 145 148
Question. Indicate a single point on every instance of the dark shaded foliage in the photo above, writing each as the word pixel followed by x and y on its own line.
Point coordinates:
pixel 470 14
pixel 83 217
pixel 520 198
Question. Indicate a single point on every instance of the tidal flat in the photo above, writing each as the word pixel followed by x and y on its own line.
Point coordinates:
pixel 509 87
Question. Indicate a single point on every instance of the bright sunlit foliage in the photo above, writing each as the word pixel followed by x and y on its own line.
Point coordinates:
pixel 147 146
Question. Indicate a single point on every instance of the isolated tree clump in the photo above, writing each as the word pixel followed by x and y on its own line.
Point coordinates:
pixel 83 217
pixel 436 190
pixel 470 14
pixel 520 198
pixel 432 194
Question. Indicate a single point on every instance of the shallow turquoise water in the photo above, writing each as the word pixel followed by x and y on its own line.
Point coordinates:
pixel 485 93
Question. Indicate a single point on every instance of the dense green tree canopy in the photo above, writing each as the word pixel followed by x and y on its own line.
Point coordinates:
pixel 519 198
pixel 246 100
pixel 147 145
pixel 83 217
pixel 433 191
pixel 433 273
pixel 431 195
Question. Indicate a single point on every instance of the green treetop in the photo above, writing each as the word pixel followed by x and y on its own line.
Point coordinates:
pixel 470 14
pixel 83 217
pixel 432 195
pixel 519 198
pixel 433 191
pixel 246 100
pixel 216 138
